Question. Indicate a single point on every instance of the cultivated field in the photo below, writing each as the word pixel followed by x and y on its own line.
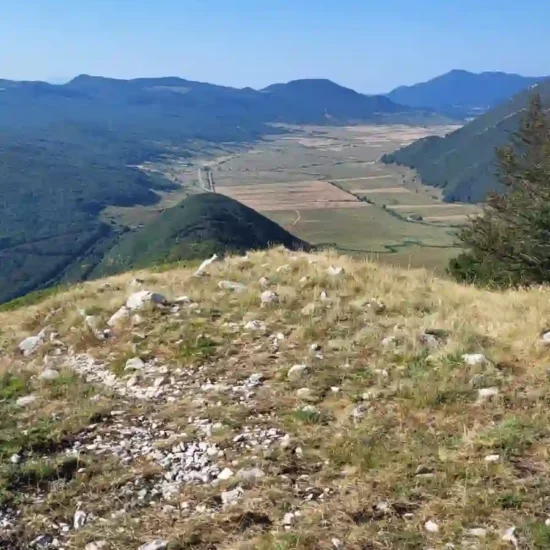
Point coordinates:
pixel 328 186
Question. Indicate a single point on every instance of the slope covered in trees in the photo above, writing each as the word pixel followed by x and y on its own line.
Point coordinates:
pixel 65 152
pixel 463 162
pixel 198 227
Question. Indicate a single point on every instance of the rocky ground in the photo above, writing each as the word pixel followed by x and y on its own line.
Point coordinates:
pixel 275 402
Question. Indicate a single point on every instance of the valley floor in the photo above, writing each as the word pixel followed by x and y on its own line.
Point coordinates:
pixel 327 186
pixel 282 401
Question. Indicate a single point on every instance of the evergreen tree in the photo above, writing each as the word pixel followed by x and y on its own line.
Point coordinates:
pixel 509 243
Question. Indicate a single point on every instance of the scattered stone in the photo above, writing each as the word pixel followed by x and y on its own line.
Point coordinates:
pixel 79 519
pixel 323 296
pixel 337 543
pixel 26 400
pixel 269 297
pixel 389 341
pixel 334 271
pixel 374 305
pixel 474 359
pixel 546 338
pixel 225 474
pixel 155 545
pixel 49 374
pixel 140 299
pixel 429 341
pixel 255 326
pixel 263 282
pixel 119 316
pixel 42 542
pixel 135 363
pixel 231 497
pixel 250 475
pixel 132 381
pixel 310 409
pixel 487 393
pixel 296 372
pixel 96 545
pixel 477 532
pixel 182 300
pixel 384 506
pixel 358 413
pixel 15 458
pixel 137 319
pixel 431 526
pixel 202 268
pixel 315 347
pixel 30 344
pixel 509 536
pixel 285 441
pixel 232 285
pixel 492 458
pixel 288 519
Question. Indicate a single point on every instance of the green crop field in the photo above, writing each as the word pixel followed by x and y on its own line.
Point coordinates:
pixel 289 178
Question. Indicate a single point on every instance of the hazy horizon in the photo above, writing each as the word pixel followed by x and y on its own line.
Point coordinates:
pixel 371 49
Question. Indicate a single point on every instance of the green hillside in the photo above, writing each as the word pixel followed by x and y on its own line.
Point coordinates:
pixel 66 153
pixel 198 227
pixel 463 162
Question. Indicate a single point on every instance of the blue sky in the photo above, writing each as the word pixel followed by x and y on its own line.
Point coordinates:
pixel 370 45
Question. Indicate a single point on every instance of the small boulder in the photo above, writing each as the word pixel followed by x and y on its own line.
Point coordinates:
pixel 231 497
pixel 431 526
pixel 96 545
pixel 269 297
pixel 202 268
pixel 119 316
pixel 225 474
pixel 155 545
pixel 250 475
pixel 485 394
pixel 49 374
pixel 26 400
pixel 335 271
pixel 231 285
pixel 474 359
pixel 30 344
pixel 79 519
pixel 492 458
pixel 255 326
pixel 140 299
pixel 135 363
pixel 296 372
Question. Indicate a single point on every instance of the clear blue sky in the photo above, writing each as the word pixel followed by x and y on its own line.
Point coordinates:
pixel 370 45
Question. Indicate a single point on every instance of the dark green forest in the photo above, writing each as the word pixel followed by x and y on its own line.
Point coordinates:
pixel 463 163
pixel 66 153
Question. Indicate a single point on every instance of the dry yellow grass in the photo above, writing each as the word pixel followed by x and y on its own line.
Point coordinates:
pixel 403 441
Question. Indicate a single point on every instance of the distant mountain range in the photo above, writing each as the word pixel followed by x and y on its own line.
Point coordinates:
pixel 67 152
pixel 463 162
pixel 461 94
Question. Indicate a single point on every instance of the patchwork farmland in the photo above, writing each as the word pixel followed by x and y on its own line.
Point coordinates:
pixel 327 186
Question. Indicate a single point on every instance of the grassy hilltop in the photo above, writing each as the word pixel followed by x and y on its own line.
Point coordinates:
pixel 369 408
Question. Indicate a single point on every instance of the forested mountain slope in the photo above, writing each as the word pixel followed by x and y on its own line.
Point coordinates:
pixel 463 162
